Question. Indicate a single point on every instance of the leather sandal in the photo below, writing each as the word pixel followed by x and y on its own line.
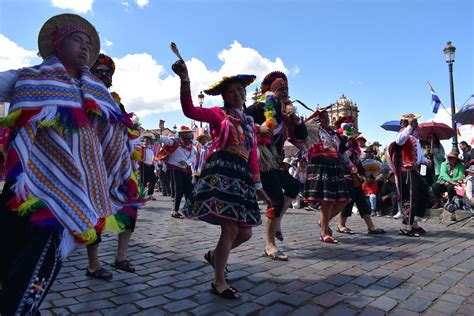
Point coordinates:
pixel 277 255
pixel 328 239
pixel 345 230
pixel 229 293
pixel 124 265
pixel 377 231
pixel 100 274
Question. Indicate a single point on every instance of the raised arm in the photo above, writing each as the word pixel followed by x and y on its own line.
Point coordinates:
pixel 196 113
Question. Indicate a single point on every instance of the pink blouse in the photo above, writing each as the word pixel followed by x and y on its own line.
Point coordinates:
pixel 215 116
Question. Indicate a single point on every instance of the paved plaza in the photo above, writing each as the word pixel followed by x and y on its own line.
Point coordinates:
pixel 364 274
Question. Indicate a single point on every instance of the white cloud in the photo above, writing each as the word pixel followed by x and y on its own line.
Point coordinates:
pixel 125 3
pixel 142 3
pixel 147 87
pixel 12 56
pixel 78 6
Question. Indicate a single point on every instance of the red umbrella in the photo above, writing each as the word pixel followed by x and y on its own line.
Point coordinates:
pixel 443 131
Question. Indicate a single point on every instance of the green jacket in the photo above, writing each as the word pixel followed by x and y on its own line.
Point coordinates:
pixel 458 172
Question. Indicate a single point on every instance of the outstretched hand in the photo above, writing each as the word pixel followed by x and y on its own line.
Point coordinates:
pixel 179 67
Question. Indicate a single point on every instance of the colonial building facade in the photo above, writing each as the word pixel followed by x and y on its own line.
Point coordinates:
pixel 343 106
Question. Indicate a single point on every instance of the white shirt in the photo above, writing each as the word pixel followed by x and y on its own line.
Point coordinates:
pixel 401 139
pixel 180 154
pixel 148 153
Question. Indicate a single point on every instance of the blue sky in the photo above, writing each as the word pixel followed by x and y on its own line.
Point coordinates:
pixel 379 53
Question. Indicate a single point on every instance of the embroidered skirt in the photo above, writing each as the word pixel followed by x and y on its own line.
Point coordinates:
pixel 224 190
pixel 325 181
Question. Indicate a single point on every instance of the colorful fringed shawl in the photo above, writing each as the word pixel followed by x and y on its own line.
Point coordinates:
pixel 69 154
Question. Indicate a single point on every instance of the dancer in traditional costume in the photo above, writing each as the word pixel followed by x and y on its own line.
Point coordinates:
pixel 404 157
pixel 180 157
pixel 325 181
pixel 58 193
pixel 225 194
pixel 202 151
pixel 148 164
pixel 353 180
pixel 104 69
pixel 278 121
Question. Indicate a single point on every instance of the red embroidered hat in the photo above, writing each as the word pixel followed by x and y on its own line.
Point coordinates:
pixel 270 78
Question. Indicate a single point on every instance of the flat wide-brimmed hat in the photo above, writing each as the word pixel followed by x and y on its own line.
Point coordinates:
pixel 46 34
pixel 203 136
pixel 369 150
pixel 216 88
pixel 453 154
pixel 268 80
pixel 185 132
pixel 410 116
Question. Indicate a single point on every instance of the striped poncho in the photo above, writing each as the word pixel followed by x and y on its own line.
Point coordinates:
pixel 69 154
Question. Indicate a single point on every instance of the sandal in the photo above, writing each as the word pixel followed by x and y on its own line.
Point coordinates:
pixel 329 229
pixel 278 255
pixel 377 231
pixel 101 274
pixel 229 293
pixel 124 265
pixel 328 239
pixel 279 236
pixel 207 256
pixel 345 230
pixel 409 233
pixel 419 230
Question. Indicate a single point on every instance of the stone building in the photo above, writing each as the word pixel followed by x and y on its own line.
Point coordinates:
pixel 344 106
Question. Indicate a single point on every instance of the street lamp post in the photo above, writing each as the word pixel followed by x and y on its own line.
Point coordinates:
pixel 449 52
pixel 201 102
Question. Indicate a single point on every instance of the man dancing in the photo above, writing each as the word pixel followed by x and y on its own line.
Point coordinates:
pixel 404 157
pixel 278 121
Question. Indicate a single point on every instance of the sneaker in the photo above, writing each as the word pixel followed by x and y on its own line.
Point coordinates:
pixel 398 215
pixel 373 213
pixel 379 214
pixel 151 198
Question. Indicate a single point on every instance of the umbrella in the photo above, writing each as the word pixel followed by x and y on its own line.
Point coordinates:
pixel 393 126
pixel 443 131
pixel 465 115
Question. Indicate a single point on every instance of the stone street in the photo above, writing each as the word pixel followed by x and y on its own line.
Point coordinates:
pixel 364 274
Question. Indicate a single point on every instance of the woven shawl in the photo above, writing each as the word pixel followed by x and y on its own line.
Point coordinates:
pixel 57 155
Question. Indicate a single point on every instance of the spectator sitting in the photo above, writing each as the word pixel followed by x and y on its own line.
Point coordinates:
pixel 370 154
pixel 469 186
pixel 371 189
pixel 451 173
pixel 388 195
pixel 467 152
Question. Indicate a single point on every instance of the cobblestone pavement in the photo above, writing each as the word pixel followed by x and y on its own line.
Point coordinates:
pixel 364 274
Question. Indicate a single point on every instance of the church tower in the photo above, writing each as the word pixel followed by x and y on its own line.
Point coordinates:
pixel 342 107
